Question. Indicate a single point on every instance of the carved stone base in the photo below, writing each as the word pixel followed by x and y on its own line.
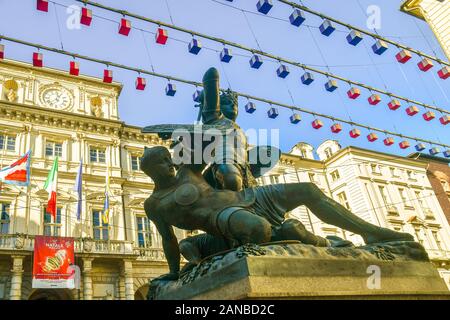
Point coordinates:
pixel 290 270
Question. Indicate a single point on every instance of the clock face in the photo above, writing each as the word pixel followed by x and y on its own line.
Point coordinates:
pixel 56 98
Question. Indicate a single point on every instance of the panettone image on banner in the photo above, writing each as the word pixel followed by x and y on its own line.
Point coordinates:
pixel 52 265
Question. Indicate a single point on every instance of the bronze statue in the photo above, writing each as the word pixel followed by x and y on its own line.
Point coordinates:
pixel 231 170
pixel 185 200
pixel 228 214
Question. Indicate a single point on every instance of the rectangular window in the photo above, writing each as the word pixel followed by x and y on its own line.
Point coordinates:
pixel 411 175
pixel 395 172
pixel 335 175
pixel 52 227
pixel 437 239
pixel 421 200
pixel 342 198
pixel 97 155
pixel 418 236
pixel 4 218
pixel 384 195
pixel 53 149
pixel 101 229
pixel 144 232
pixel 375 168
pixel 328 152
pixel 135 163
pixel 405 199
pixel 7 142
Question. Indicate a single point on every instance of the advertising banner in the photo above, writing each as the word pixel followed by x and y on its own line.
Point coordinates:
pixel 53 257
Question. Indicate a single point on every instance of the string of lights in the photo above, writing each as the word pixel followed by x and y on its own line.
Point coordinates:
pixel 362 31
pixel 244 95
pixel 257 54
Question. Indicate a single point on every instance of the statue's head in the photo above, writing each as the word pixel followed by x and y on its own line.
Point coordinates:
pixel 229 104
pixel 157 163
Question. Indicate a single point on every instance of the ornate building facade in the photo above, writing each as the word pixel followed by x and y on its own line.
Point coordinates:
pixel 76 118
pixel 384 189
pixel 435 13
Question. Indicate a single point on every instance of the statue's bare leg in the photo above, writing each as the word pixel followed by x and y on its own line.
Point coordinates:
pixel 246 227
pixel 229 177
pixel 198 247
pixel 292 229
pixel 190 251
pixel 332 212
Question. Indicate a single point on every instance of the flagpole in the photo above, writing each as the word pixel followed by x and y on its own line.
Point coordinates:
pixel 81 213
pixel 28 215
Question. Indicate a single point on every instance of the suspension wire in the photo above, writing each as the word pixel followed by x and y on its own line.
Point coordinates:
pixel 251 30
pixel 318 48
pixel 328 68
pixel 148 51
pixel 423 35
pixel 195 83
pixel 376 68
pixel 287 20
pixel 256 13
pixel 57 23
pixel 289 92
pixel 268 55
pixel 170 13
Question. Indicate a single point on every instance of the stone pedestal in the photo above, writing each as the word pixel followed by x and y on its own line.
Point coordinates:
pixel 297 271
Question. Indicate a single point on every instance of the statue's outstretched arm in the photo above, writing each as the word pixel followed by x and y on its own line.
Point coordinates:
pixel 169 242
pixel 211 96
pixel 170 247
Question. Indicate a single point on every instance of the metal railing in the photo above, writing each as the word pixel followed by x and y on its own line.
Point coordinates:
pixel 154 254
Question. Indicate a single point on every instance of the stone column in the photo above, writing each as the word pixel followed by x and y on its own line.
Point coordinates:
pixel 16 278
pixel 128 275
pixel 122 288
pixel 87 278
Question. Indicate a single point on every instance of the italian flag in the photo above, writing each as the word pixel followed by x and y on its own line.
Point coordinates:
pixel 51 186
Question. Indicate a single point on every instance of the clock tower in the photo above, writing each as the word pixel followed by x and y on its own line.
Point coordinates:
pixel 57 90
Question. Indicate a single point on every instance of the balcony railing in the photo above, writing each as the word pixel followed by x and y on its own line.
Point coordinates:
pixel 154 254
pixel 89 245
pixel 16 242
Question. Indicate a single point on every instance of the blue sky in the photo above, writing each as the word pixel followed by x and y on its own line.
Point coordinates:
pixel 274 34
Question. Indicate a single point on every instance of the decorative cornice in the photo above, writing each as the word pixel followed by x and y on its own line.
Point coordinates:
pixel 58 74
pixel 413 8
pixel 58 119
pixel 379 156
